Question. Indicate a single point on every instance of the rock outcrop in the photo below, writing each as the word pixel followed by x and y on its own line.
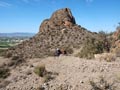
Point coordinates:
pixel 60 31
pixel 116 42
pixel 59 19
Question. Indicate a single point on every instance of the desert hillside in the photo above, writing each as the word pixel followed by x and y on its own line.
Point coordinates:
pixel 60 31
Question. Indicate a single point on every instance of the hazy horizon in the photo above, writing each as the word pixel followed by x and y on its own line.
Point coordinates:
pixel 27 15
pixel 18 32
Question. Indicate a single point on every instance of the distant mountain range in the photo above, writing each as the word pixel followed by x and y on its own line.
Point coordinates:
pixel 17 34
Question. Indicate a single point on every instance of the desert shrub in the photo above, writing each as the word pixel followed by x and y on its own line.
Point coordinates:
pixel 90 48
pixel 8 55
pixel 48 77
pixel 40 70
pixel 101 85
pixel 4 72
pixel 106 40
pixel 2 52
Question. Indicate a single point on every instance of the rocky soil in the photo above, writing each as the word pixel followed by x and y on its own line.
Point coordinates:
pixel 73 74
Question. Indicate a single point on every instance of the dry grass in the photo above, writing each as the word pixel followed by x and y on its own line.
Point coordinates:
pixel 4 72
pixel 40 70
pixel 101 85
pixel 109 57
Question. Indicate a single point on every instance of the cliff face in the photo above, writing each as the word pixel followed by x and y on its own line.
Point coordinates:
pixel 60 31
pixel 60 19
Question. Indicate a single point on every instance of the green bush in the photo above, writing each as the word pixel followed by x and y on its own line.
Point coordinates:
pixel 40 70
pixel 90 48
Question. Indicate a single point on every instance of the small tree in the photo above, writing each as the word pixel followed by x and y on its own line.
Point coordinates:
pixel 105 40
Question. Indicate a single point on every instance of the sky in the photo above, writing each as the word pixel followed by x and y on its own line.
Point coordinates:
pixel 27 15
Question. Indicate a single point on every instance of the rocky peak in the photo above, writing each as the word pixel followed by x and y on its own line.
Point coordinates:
pixel 60 18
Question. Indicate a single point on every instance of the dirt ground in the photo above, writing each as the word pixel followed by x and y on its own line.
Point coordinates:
pixel 73 74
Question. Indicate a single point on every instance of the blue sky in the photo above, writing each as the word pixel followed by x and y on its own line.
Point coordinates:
pixel 27 15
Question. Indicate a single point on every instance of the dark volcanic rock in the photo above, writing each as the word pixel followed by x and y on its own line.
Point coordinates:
pixel 60 31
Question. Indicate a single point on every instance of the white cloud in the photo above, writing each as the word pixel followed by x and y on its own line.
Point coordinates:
pixel 4 4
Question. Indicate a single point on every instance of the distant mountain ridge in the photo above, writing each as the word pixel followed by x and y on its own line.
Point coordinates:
pixel 17 34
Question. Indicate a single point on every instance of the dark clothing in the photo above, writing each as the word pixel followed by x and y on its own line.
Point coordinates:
pixel 63 52
pixel 57 53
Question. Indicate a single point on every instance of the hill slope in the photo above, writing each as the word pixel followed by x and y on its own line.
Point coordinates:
pixel 60 31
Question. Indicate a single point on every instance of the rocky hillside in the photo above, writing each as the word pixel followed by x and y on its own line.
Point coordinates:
pixel 116 42
pixel 60 31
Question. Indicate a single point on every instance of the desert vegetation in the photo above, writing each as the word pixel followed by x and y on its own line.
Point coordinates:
pixel 42 72
pixel 93 46
pixel 4 72
pixel 102 84
pixel 90 48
